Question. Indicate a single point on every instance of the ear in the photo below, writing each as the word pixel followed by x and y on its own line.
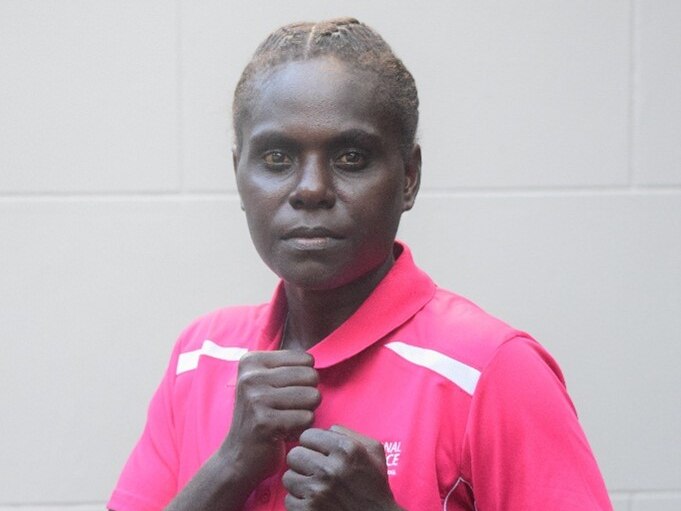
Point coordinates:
pixel 412 177
pixel 235 163
pixel 235 157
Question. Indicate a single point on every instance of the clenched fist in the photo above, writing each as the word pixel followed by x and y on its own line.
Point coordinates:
pixel 337 469
pixel 276 395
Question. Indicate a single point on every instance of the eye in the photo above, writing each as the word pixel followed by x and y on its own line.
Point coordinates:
pixel 351 160
pixel 277 160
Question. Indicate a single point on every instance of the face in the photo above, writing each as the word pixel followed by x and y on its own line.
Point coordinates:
pixel 320 174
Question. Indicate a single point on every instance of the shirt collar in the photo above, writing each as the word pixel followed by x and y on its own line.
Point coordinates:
pixel 401 293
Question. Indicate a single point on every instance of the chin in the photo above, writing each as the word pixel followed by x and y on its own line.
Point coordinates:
pixel 314 281
pixel 318 277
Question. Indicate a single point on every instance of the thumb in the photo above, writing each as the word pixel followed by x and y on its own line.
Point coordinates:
pixel 373 446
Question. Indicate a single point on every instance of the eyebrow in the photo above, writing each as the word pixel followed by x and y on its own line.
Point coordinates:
pixel 275 137
pixel 358 136
pixel 270 137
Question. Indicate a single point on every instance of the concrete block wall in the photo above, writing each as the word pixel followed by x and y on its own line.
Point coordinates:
pixel 551 195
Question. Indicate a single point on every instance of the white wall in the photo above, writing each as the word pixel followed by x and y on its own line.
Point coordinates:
pixel 551 196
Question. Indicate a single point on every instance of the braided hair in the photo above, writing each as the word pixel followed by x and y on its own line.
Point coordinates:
pixel 350 41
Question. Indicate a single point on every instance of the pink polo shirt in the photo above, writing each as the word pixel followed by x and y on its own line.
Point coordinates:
pixel 472 413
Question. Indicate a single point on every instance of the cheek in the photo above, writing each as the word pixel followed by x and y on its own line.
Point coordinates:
pixel 378 205
pixel 246 185
pixel 257 195
pixel 259 227
pixel 255 209
pixel 261 237
pixel 260 190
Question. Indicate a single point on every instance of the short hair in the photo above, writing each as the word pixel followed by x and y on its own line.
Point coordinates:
pixel 351 42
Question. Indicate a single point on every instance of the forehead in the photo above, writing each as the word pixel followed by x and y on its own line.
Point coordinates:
pixel 320 95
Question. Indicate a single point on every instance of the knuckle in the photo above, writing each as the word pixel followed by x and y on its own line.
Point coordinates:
pixel 311 375
pixel 294 455
pixel 288 479
pixel 247 376
pixel 348 447
pixel 306 418
pixel 306 358
pixel 248 359
pixel 300 422
pixel 258 396
pixel 264 422
pixel 315 397
pixel 253 378
pixel 321 492
pixel 307 435
pixel 290 502
pixel 251 395
pixel 328 472
pixel 376 449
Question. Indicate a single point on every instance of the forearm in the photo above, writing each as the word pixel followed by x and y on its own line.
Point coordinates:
pixel 275 398
pixel 217 486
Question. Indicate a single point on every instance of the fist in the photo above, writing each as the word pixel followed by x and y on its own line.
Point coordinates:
pixel 337 469
pixel 276 395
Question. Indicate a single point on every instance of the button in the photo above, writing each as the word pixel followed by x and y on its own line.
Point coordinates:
pixel 264 496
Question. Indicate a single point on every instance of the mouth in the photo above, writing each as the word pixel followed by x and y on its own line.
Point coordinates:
pixel 311 238
pixel 310 233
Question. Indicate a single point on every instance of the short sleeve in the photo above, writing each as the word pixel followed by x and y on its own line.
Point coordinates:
pixel 149 479
pixel 524 446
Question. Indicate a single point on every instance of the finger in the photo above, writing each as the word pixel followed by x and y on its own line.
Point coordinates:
pixel 294 398
pixel 370 444
pixel 366 441
pixel 286 424
pixel 306 462
pixel 292 503
pixel 322 440
pixel 280 358
pixel 292 375
pixel 336 441
pixel 260 376
pixel 296 484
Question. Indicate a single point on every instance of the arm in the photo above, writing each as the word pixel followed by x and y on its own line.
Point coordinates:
pixel 276 396
pixel 525 448
pixel 275 399
pixel 218 485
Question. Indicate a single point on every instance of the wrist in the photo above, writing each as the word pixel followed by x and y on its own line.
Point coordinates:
pixel 233 464
pixel 242 465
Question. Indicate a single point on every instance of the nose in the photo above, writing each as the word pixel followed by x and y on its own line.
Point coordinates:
pixel 314 186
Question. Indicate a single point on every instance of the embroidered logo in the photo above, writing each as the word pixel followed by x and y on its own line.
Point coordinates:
pixel 392 456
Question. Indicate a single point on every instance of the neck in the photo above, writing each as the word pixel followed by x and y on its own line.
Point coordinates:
pixel 314 314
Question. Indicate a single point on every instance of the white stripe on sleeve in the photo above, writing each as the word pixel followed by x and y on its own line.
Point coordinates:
pixel 457 372
pixel 190 360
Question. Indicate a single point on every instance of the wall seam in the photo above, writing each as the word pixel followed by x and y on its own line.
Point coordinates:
pixel 179 154
pixel 632 117
pixel 160 196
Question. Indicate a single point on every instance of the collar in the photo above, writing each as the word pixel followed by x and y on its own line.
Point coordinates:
pixel 401 293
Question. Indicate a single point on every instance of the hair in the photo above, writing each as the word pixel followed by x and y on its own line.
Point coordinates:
pixel 353 43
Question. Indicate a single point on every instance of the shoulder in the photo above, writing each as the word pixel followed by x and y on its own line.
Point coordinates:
pixel 225 326
pixel 458 328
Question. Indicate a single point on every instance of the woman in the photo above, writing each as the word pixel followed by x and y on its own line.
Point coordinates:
pixel 361 385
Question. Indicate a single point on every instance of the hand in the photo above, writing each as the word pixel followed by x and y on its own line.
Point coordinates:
pixel 337 469
pixel 276 396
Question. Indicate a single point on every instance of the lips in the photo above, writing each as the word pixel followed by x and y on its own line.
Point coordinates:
pixel 311 238
pixel 310 233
